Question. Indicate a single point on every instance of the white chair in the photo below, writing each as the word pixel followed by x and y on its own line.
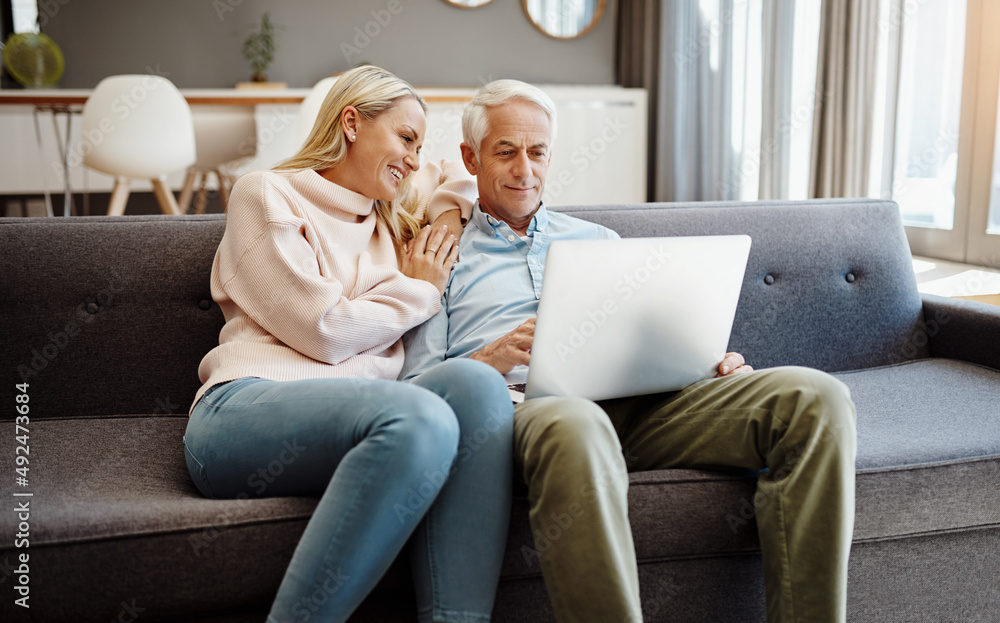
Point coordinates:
pixel 138 127
pixel 309 109
pixel 224 137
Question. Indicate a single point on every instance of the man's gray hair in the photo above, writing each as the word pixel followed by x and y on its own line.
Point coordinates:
pixel 475 119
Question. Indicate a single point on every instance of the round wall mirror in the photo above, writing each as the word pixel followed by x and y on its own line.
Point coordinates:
pixel 468 4
pixel 564 19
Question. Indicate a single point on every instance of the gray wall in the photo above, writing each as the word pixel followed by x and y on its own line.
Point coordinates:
pixel 197 43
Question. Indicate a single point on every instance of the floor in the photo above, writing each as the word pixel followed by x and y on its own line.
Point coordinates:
pixel 964 281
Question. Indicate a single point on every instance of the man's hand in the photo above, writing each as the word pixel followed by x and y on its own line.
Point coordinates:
pixel 732 363
pixel 430 256
pixel 510 350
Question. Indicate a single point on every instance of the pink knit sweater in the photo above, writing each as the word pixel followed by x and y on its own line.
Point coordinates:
pixel 308 280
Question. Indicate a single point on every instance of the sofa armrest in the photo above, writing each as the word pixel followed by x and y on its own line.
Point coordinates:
pixel 964 330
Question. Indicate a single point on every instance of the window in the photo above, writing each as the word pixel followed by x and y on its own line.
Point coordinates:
pixel 25 14
pixel 939 154
pixel 925 152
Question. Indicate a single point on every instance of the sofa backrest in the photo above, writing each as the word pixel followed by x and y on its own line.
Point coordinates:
pixel 107 315
pixel 829 283
pixel 112 315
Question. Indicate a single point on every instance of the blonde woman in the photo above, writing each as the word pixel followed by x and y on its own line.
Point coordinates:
pixel 317 289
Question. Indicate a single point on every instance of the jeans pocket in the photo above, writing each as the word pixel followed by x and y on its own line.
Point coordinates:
pixel 197 471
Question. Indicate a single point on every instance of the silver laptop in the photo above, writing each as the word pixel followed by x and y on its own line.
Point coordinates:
pixel 634 316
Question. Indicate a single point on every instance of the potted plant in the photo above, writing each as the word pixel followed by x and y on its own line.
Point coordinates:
pixel 258 50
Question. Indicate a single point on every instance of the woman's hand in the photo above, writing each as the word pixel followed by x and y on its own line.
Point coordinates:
pixel 430 256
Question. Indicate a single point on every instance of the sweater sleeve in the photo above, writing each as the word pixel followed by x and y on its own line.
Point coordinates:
pixel 269 269
pixel 441 186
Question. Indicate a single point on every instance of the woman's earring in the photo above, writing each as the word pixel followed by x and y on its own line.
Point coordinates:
pixel 354 137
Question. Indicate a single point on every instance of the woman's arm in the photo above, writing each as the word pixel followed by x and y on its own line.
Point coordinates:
pixel 269 268
pixel 441 188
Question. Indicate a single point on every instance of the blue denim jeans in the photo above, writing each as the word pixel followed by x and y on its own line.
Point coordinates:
pixel 431 458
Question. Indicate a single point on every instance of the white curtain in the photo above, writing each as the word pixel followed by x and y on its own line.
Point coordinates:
pixel 731 90
pixel 843 125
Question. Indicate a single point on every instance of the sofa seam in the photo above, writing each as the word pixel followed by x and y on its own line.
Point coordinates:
pixel 900 364
pixel 178 531
pixel 919 466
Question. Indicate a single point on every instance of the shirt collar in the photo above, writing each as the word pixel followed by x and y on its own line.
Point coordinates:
pixel 488 225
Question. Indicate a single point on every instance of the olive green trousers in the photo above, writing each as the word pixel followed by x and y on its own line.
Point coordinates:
pixel 798 424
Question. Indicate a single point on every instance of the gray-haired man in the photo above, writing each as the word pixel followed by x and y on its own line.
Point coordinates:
pixel 796 423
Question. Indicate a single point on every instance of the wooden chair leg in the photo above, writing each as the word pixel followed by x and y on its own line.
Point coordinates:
pixel 201 200
pixel 165 196
pixel 190 181
pixel 224 185
pixel 119 197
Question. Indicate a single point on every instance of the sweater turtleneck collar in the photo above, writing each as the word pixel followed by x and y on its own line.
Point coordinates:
pixel 325 194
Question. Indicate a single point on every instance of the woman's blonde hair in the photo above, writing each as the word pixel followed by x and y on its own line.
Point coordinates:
pixel 372 91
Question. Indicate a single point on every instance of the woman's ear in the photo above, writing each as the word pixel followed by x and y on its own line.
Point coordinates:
pixel 349 119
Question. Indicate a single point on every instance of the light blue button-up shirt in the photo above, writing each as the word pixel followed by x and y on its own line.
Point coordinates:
pixel 494 287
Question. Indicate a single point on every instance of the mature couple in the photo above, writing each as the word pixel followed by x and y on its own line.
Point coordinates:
pixel 322 270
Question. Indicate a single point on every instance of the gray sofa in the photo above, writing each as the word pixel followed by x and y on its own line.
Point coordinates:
pixel 107 318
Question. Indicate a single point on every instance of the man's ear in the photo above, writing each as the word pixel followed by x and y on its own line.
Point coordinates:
pixel 469 158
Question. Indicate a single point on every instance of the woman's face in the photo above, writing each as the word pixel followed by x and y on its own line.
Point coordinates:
pixel 386 149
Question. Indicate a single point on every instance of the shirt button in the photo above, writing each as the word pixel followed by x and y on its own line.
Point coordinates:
pixel 532 260
pixel 510 238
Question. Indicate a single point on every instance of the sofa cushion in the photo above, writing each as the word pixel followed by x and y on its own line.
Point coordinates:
pixel 928 448
pixel 926 411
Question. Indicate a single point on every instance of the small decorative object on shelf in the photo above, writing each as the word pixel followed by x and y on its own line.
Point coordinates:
pixel 33 59
pixel 258 50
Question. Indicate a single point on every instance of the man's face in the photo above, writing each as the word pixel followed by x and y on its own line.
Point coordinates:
pixel 513 161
